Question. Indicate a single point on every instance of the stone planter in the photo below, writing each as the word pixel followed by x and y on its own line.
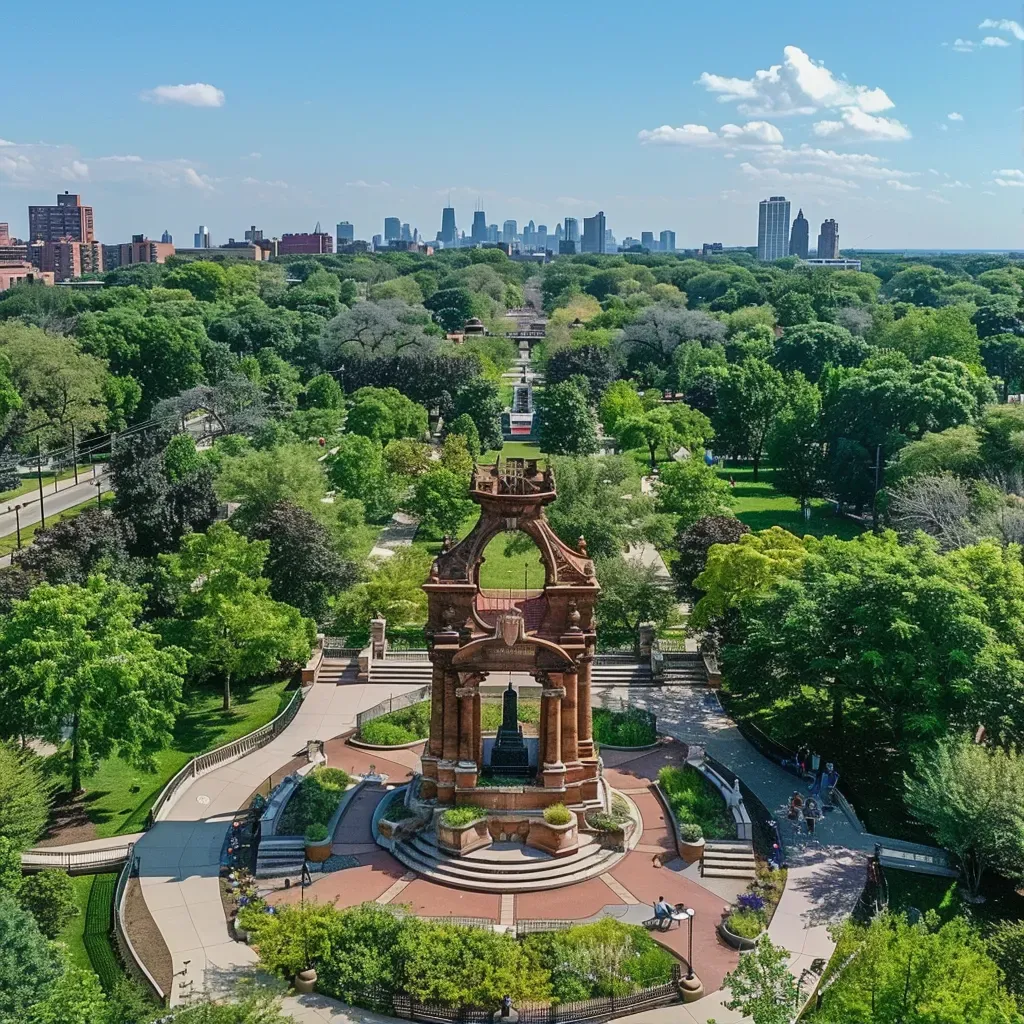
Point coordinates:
pixel 558 840
pixel 690 852
pixel 739 942
pixel 305 982
pixel 463 839
pixel 317 853
pixel 398 829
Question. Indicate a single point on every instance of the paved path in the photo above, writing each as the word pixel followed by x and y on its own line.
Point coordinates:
pixel 397 534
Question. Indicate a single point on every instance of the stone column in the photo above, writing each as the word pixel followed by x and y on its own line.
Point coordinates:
pixel 584 721
pixel 467 731
pixel 435 745
pixel 570 722
pixel 450 748
pixel 478 734
pixel 552 714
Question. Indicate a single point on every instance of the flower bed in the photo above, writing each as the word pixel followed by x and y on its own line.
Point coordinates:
pixel 632 728
pixel 753 911
pixel 314 801
pixel 364 953
pixel 695 801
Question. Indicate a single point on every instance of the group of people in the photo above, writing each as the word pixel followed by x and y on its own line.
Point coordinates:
pixel 822 787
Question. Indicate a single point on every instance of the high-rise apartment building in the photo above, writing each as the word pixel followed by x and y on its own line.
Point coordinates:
pixel 509 230
pixel 668 241
pixel 828 240
pixel 799 239
pixel 201 239
pixel 647 240
pixel 449 235
pixel 571 232
pixel 478 235
pixel 311 243
pixel 66 260
pixel 345 233
pixel 593 233
pixel 773 228
pixel 139 250
pixel 254 234
pixel 392 229
pixel 68 221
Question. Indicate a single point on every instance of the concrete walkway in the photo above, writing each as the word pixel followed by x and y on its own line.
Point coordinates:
pixel 180 855
pixel 397 534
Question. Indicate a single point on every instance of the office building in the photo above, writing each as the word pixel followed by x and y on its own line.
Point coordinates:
pixel 15 273
pixel 773 228
pixel 406 233
pixel 139 250
pixel 647 240
pixel 837 263
pixel 542 237
pixel 253 234
pixel 593 233
pixel 572 230
pixel 508 231
pixel 66 260
pixel 167 238
pixel 392 229
pixel 377 241
pixel 492 233
pixel 566 247
pixel 610 245
pixel 529 233
pixel 345 233
pixel 201 239
pixel 449 234
pixel 668 241
pixel 711 249
pixel 68 221
pixel 828 240
pixel 312 243
pixel 799 238
pixel 478 234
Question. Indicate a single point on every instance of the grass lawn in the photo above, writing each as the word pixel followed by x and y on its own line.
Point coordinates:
pixel 118 797
pixel 30 484
pixel 10 542
pixel 88 936
pixel 514 450
pixel 908 889
pixel 760 506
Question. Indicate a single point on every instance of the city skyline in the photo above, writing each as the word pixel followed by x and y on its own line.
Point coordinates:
pixel 909 140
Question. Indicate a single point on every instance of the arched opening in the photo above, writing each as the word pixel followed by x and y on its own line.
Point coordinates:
pixel 510 575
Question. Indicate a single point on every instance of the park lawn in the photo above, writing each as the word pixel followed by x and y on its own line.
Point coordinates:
pixel 9 543
pixel 73 935
pixel 118 797
pixel 760 506
pixel 912 890
pixel 514 450
pixel 87 937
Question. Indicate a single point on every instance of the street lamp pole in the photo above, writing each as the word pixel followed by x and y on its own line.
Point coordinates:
pixel 689 956
pixel 17 523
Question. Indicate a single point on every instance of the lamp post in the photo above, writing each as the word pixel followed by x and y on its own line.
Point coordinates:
pixel 689 957
pixel 99 492
pixel 17 523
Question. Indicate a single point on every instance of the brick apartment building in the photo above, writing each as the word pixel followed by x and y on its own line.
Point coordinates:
pixel 66 260
pixel 139 250
pixel 69 221
pixel 315 243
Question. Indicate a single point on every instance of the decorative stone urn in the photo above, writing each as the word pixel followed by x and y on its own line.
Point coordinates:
pixel 463 839
pixel 305 982
pixel 558 840
pixel 691 852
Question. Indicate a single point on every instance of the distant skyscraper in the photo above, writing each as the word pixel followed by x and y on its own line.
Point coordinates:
pixel 647 240
pixel 572 230
pixel 529 233
pixel 479 232
pixel 448 235
pixel 828 240
pixel 773 228
pixel 610 245
pixel 799 240
pixel 201 239
pixel 542 236
pixel 668 241
pixel 166 238
pixel 254 234
pixel 593 233
pixel 345 232
pixel 406 235
pixel 377 241
pixel 492 233
pixel 509 230
pixel 392 229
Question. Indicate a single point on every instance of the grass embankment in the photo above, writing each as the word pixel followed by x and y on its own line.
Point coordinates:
pixel 87 936
pixel 118 796
pixel 9 543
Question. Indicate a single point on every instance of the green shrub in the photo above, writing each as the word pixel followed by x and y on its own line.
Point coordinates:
pixel 411 723
pixel 490 714
pixel 748 924
pixel 25 796
pixel 694 799
pixel 397 811
pixel 557 814
pixel 49 896
pixel 315 800
pixel 691 832
pixel 633 728
pixel 456 817
pixel 316 833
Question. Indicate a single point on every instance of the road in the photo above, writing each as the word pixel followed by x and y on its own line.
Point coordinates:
pixel 69 495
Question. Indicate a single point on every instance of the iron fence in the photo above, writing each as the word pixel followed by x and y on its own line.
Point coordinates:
pixel 393 703
pixel 238 748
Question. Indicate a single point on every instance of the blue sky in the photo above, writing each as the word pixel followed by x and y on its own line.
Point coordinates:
pixel 903 125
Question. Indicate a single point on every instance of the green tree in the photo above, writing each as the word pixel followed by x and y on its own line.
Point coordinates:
pixel 808 348
pixel 456 456
pixel 464 426
pixel 1003 357
pixel 619 402
pixel 29 965
pixel 567 423
pixel 440 498
pixel 358 470
pixel 451 307
pixel 749 400
pixel 25 795
pixel 794 308
pixel 956 450
pixel 384 413
pixel 922 333
pixel 324 392
pixel 692 490
pixel 394 590
pixel 972 797
pixel 226 618
pixel 1006 946
pixel 796 443
pixel 77 664
pixel 76 998
pixel 632 593
pixel 49 896
pixel 693 545
pixel 761 987
pixel 480 398
pixel 207 281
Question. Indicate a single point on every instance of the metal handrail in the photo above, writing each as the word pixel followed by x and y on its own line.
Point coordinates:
pixel 78 861
pixel 229 751
pixel 132 961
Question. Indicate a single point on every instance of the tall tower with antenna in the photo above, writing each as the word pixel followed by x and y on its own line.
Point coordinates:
pixel 449 234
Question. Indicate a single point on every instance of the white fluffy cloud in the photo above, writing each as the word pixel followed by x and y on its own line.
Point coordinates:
pixel 799 85
pixel 858 165
pixel 902 186
pixel 935 198
pixel 856 124
pixel 962 45
pixel 954 116
pixel 811 178
pixel 1004 25
pixel 994 41
pixel 197 180
pixel 753 133
pixel 198 94
pixel 1006 178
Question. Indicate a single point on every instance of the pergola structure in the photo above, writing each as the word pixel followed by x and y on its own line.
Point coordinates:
pixel 548 634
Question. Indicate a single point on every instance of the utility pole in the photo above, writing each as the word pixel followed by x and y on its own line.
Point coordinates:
pixel 39 477
pixel 17 523
pixel 878 485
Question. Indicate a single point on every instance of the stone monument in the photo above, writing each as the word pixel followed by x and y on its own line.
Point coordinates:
pixel 509 755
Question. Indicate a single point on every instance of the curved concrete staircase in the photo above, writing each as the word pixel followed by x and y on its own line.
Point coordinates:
pixel 505 867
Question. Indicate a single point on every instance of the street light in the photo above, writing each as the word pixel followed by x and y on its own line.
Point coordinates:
pixel 17 523
pixel 99 492
pixel 689 957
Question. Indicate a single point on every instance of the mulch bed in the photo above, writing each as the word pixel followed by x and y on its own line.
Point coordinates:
pixel 69 822
pixel 146 938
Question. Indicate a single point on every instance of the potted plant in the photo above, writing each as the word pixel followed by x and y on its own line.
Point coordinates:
pixel 691 841
pixel 461 830
pixel 318 843
pixel 557 832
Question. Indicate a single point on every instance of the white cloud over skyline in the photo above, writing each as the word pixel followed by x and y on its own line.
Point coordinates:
pixel 198 94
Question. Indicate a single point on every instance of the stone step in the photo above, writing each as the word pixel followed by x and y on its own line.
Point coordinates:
pixel 727 873
pixel 474 866
pixel 729 846
pixel 728 858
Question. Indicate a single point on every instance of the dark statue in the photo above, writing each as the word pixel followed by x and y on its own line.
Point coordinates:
pixel 509 755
